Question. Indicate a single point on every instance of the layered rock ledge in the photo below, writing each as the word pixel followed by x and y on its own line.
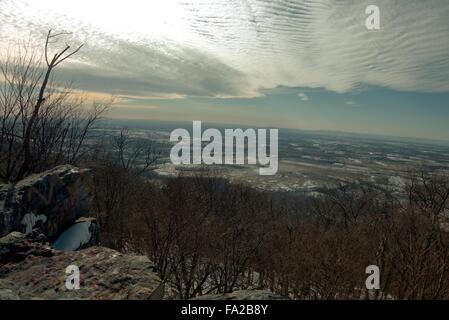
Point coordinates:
pixel 31 269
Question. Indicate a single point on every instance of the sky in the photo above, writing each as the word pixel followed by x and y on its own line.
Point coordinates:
pixel 289 64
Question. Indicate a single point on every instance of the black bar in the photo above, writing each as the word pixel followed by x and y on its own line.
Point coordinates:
pixel 234 309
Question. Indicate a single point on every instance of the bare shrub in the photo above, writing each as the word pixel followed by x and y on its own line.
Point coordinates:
pixel 42 123
pixel 207 235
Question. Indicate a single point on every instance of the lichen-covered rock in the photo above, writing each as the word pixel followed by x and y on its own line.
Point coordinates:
pixel 83 234
pixel 40 273
pixel 16 247
pixel 7 294
pixel 50 201
pixel 243 295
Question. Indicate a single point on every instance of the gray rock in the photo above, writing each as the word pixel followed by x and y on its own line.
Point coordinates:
pixel 50 201
pixel 16 247
pixel 105 274
pixel 7 294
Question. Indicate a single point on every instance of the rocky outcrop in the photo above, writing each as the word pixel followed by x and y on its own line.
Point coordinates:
pixel 51 201
pixel 51 206
pixel 16 247
pixel 31 269
pixel 243 295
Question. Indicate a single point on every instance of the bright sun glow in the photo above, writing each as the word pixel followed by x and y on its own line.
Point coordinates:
pixel 131 19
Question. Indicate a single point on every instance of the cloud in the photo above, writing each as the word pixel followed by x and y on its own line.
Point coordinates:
pixel 225 48
pixel 351 103
pixel 303 96
pixel 144 71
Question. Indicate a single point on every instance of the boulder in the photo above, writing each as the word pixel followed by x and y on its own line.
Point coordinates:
pixel 83 234
pixel 51 201
pixel 16 247
pixel 105 274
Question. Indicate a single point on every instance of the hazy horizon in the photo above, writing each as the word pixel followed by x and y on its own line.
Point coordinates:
pixel 186 124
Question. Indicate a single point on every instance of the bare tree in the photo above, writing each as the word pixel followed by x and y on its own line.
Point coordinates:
pixel 42 123
pixel 132 154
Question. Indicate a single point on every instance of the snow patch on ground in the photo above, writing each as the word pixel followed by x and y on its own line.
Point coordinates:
pixel 397 182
